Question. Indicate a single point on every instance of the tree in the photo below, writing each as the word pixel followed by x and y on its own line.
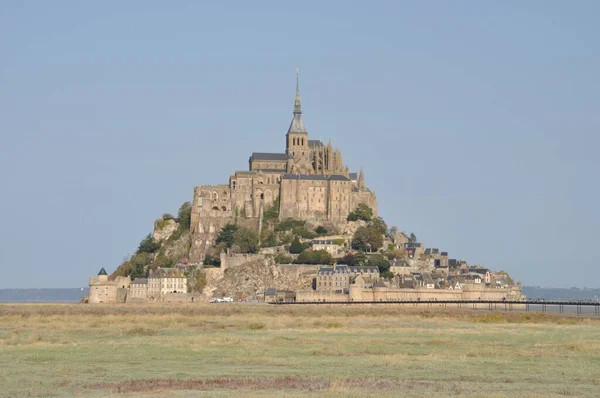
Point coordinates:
pixel 184 215
pixel 211 260
pixel 387 275
pixel 200 283
pixel 392 231
pixel 395 254
pixel 379 261
pixel 352 216
pixel 354 259
pixel 245 240
pixel 321 230
pixel 138 264
pixel 412 238
pixel 314 257
pixel 379 224
pixel 167 216
pixel 367 239
pixel 296 247
pixel 148 245
pixel 363 212
pixel 226 234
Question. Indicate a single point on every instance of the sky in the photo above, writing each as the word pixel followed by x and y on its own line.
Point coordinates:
pixel 476 122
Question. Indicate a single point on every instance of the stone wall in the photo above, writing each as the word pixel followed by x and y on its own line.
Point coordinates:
pixel 358 293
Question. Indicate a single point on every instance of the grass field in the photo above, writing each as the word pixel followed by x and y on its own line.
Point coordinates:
pixel 259 350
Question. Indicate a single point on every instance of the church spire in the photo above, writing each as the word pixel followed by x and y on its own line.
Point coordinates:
pixel 297 107
pixel 297 125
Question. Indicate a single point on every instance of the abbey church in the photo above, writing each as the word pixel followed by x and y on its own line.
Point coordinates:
pixel 309 179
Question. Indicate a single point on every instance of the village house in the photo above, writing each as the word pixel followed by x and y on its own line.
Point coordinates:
pixel 331 246
pixel 166 280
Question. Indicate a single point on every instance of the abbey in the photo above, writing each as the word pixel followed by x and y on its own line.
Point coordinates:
pixel 308 181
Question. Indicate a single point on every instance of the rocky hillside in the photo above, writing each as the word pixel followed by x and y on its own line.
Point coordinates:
pixel 168 243
pixel 254 278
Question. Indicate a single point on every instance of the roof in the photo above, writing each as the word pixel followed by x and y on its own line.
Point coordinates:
pixel 323 242
pixel 166 272
pixel 297 125
pixel 354 176
pixel 140 281
pixel 315 143
pixel 356 268
pixel 338 269
pixel 379 283
pixel 315 177
pixel 102 271
pixel 269 156
pixel 272 170
pixel 271 291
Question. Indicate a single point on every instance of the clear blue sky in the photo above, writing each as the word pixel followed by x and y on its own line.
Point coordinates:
pixel 477 122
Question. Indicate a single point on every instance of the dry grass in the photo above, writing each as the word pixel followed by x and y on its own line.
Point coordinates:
pixel 260 350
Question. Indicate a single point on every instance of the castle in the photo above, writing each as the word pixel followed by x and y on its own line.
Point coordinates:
pixel 308 181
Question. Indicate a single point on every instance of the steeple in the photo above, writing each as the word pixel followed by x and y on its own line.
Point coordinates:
pixel 297 106
pixel 361 179
pixel 297 125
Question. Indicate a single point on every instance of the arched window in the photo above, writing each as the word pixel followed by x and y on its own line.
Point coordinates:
pixel 224 208
pixel 215 208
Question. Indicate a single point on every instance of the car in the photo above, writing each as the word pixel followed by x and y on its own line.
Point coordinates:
pixel 227 299
pixel 216 300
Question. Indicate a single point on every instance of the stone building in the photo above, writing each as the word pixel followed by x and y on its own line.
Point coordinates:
pixel 309 181
pixel 166 280
pixel 338 278
pixel 331 246
pixel 103 290
pixel 138 288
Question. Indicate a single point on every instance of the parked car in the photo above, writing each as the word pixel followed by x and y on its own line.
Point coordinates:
pixel 228 299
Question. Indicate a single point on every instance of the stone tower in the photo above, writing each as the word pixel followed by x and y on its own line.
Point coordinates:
pixel 297 137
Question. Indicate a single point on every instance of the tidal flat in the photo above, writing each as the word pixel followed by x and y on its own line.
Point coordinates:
pixel 55 350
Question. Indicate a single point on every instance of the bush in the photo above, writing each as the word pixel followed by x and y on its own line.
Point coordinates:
pixel 212 260
pixel 245 240
pixel 167 216
pixel 268 238
pixel 148 245
pixel 379 261
pixel 288 225
pixel 282 259
pixel 303 232
pixel 272 213
pixel 352 216
pixel 296 247
pixel 388 275
pixel 314 257
pixel 321 230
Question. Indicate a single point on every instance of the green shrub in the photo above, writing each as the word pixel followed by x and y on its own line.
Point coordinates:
pixel 184 215
pixel 321 230
pixel 296 247
pixel 314 257
pixel 245 240
pixel 282 259
pixel 148 245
